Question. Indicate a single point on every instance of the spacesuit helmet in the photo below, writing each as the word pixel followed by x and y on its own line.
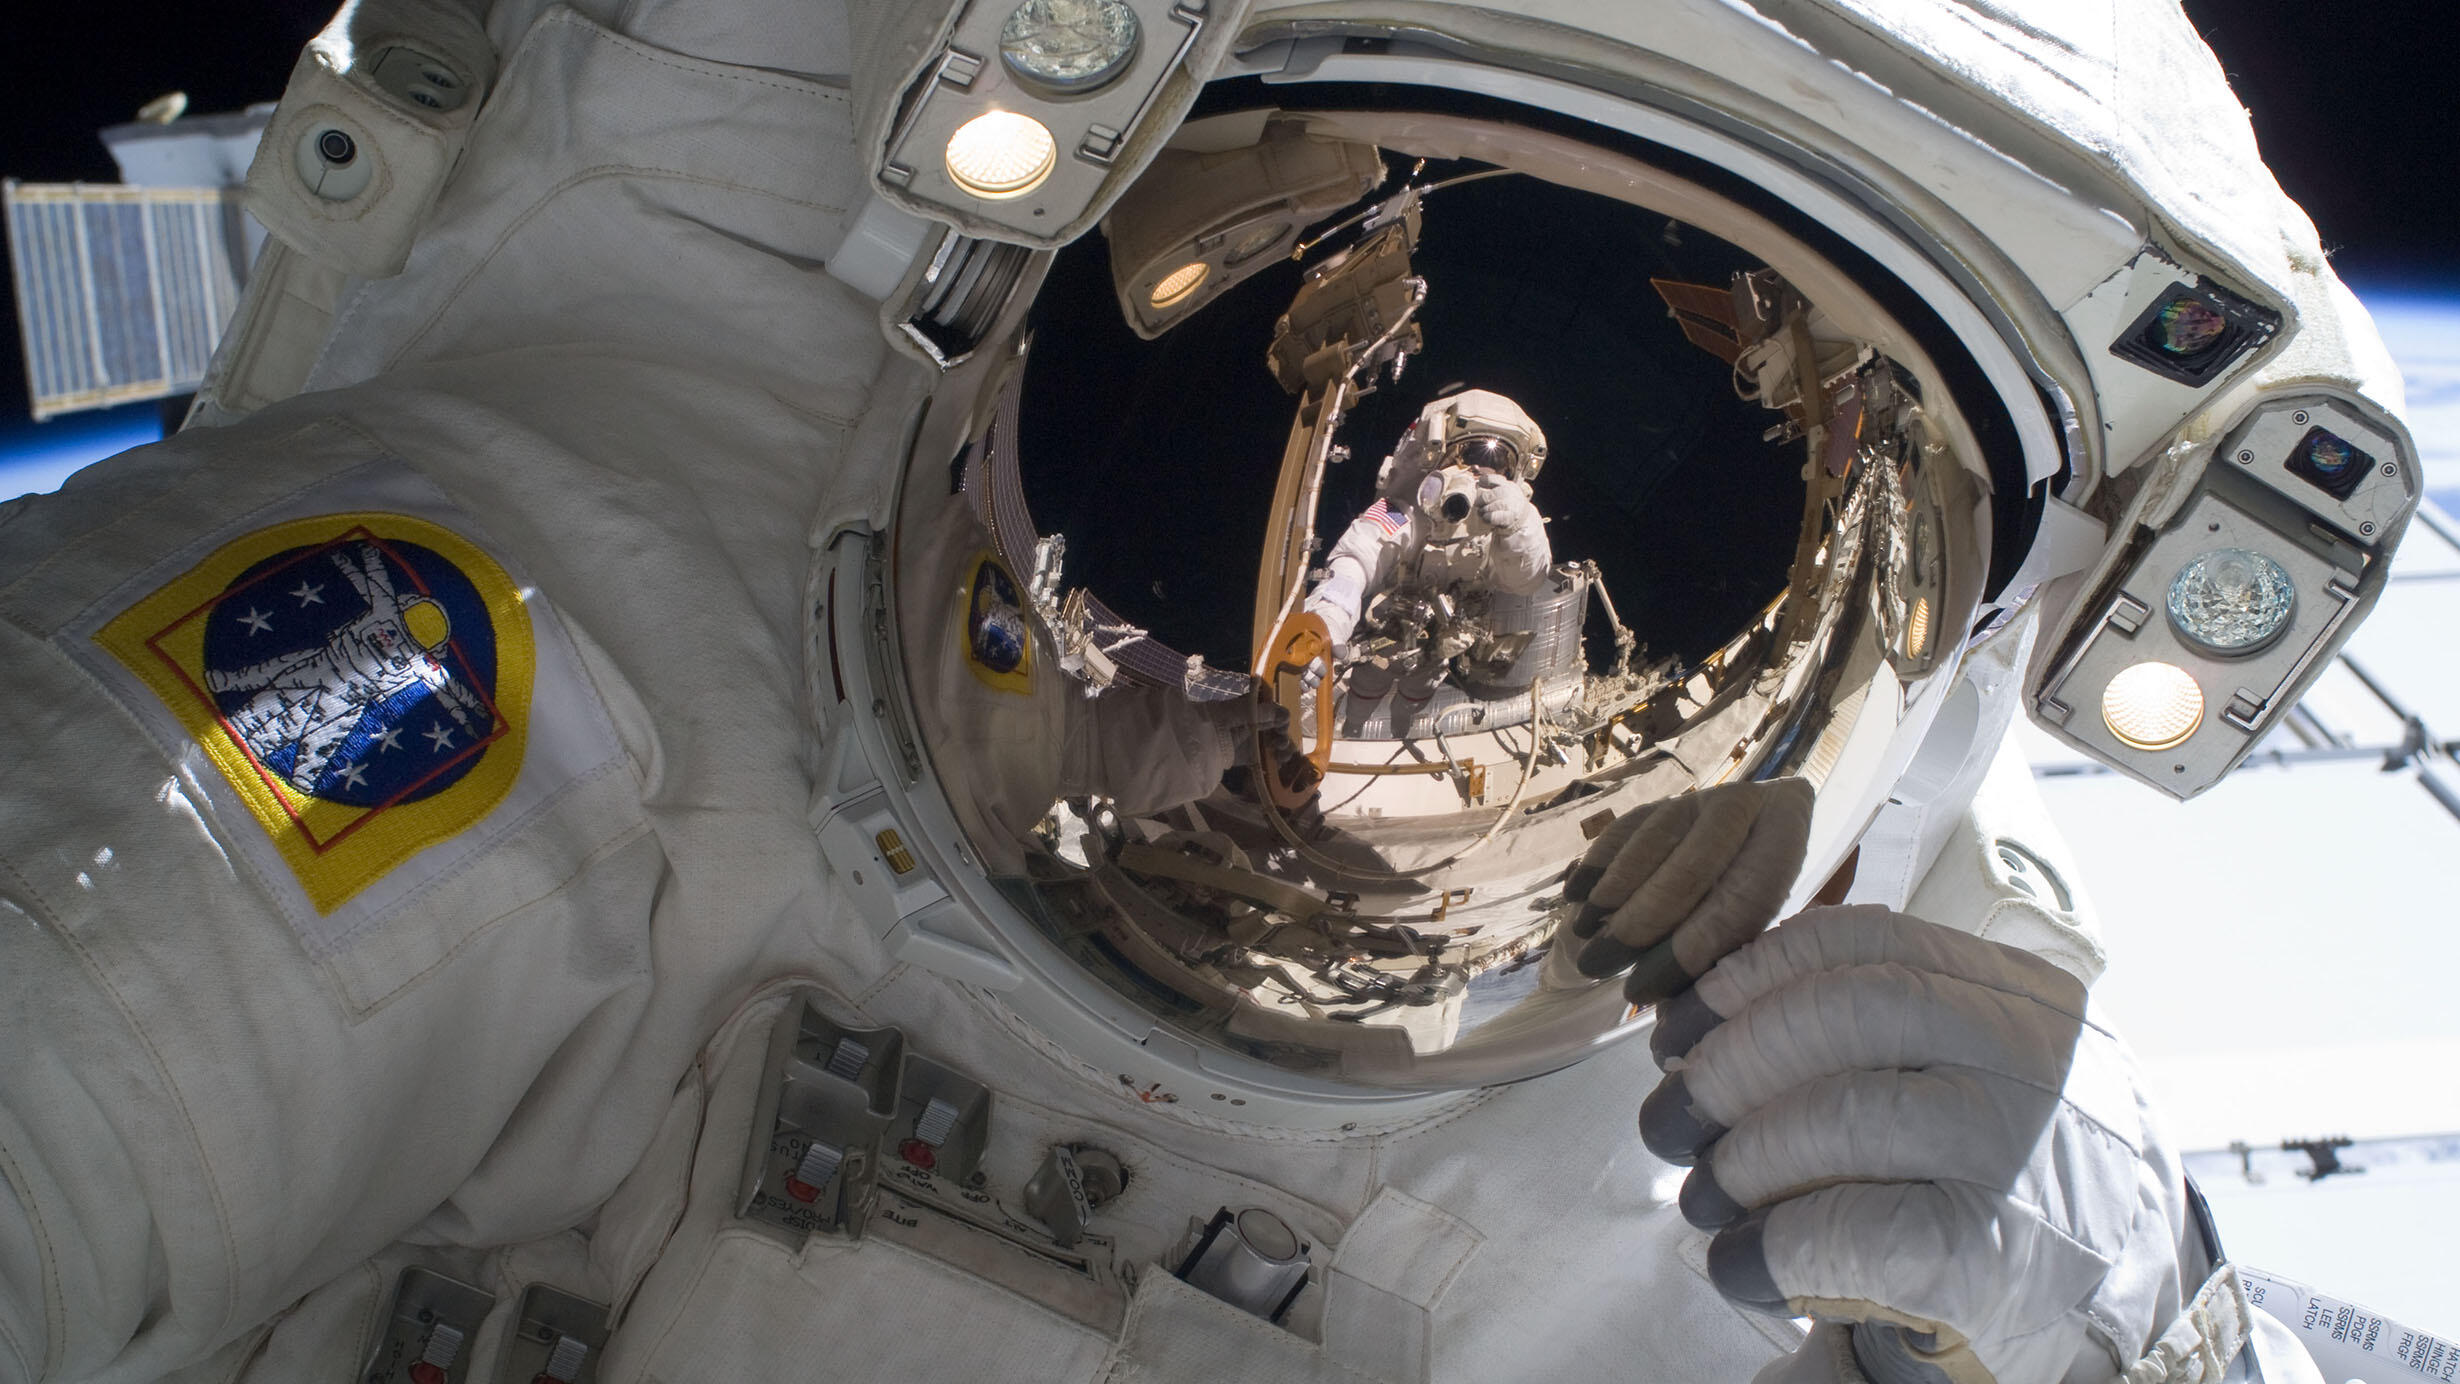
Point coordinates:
pixel 1382 927
pixel 1823 441
pixel 1469 427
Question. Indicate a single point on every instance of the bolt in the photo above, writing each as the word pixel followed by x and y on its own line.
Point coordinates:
pixel 2366 528
pixel 2245 455
pixel 2298 417
pixel 336 148
pixel 2391 468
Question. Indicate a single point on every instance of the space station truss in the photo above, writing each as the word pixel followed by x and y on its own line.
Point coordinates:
pixel 122 292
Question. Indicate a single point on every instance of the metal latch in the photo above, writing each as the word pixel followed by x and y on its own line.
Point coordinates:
pixel 1072 1183
pixel 557 1341
pixel 428 1330
pixel 839 1105
pixel 828 1096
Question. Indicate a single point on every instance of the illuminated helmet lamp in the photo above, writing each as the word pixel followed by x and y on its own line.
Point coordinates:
pixel 1015 124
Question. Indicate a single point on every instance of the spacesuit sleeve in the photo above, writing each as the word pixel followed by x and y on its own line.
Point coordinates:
pixel 1361 563
pixel 1148 748
pixel 234 1071
pixel 1019 730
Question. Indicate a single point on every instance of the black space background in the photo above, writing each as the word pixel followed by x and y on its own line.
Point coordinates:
pixel 2353 104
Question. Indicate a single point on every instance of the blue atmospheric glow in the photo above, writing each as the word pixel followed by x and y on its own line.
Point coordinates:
pixel 36 457
pixel 2420 322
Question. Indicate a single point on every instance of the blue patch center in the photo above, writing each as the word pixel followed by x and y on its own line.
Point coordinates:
pixel 360 671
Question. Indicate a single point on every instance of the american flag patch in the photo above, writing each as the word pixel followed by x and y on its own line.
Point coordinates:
pixel 1385 517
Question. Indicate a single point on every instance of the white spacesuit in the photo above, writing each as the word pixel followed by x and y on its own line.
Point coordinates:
pixel 1481 534
pixel 658 1006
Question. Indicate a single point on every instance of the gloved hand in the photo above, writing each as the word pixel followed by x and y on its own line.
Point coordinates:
pixel 1669 888
pixel 1504 505
pixel 1519 551
pixel 1928 1134
pixel 1246 719
pixel 1254 720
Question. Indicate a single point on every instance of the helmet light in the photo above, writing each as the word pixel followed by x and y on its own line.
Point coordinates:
pixel 1001 154
pixel 2153 705
pixel 1180 282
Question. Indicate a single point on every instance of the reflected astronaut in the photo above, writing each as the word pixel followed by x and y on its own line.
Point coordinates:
pixel 844 954
pixel 1455 519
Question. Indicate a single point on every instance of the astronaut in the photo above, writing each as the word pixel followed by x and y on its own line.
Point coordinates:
pixel 1454 514
pixel 703 1019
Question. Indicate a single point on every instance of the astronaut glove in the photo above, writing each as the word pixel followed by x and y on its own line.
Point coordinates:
pixel 1246 721
pixel 1929 1137
pixel 1505 506
pixel 1521 551
pixel 1667 889
pixel 1260 730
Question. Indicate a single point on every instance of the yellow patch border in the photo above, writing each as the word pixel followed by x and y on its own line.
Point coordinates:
pixel 1019 679
pixel 335 850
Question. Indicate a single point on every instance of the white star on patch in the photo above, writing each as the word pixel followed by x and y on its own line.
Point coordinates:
pixel 354 776
pixel 439 737
pixel 256 621
pixel 388 739
pixel 309 594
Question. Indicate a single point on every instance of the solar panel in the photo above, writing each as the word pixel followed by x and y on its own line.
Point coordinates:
pixel 122 292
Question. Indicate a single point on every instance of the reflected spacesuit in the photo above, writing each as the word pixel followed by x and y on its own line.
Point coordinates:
pixel 699 1019
pixel 1022 731
pixel 1454 518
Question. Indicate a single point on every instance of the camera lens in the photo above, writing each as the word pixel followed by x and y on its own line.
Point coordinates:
pixel 1456 507
pixel 336 148
pixel 2185 327
pixel 2326 461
